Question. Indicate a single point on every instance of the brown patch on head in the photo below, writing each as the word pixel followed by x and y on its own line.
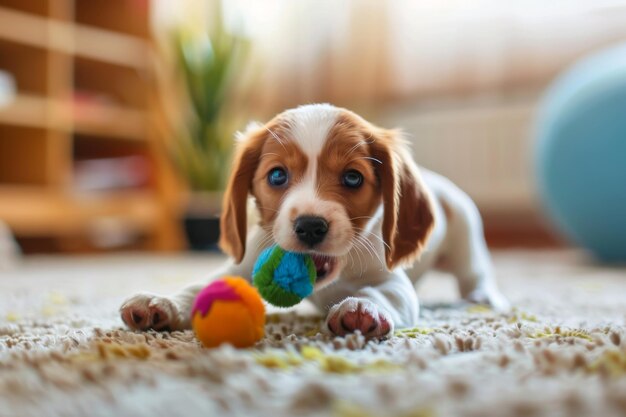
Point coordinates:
pixel 347 148
pixel 261 150
pixel 277 152
pixel 389 173
pixel 409 215
pixel 233 222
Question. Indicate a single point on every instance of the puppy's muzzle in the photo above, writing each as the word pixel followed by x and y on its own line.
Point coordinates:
pixel 310 230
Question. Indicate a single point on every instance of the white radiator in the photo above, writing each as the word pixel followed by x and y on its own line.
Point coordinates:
pixel 482 144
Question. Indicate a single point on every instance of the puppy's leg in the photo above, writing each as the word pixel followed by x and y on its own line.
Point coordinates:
pixel 468 259
pixel 150 311
pixel 375 310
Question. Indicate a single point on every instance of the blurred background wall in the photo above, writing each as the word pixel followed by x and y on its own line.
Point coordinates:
pixel 104 144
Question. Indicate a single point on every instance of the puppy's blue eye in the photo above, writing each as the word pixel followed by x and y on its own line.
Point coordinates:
pixel 352 179
pixel 277 177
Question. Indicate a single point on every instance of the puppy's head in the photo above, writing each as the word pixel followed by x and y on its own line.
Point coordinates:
pixel 318 175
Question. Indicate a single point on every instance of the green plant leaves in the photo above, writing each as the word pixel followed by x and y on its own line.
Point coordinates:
pixel 210 65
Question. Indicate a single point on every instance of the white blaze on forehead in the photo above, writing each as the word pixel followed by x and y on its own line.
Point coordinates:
pixel 309 126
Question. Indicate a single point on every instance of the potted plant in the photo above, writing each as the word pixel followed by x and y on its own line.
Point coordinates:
pixel 211 66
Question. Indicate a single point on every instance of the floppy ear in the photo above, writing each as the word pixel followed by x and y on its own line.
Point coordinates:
pixel 233 222
pixel 408 211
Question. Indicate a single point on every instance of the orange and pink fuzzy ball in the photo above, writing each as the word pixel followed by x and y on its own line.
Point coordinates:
pixel 229 310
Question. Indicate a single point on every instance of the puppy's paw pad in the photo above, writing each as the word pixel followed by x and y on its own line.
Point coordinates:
pixel 493 299
pixel 145 311
pixel 354 314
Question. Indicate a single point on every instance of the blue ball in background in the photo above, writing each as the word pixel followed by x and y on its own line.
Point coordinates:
pixel 580 153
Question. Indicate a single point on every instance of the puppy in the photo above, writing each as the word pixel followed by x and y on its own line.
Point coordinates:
pixel 329 183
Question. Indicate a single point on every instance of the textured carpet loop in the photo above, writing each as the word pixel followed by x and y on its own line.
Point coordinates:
pixel 560 352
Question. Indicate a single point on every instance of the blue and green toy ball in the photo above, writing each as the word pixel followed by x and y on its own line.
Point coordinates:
pixel 283 278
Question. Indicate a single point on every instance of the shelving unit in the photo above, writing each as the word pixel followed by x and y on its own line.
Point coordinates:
pixel 84 87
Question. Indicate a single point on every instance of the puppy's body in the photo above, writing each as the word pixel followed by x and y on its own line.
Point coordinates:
pixel 329 183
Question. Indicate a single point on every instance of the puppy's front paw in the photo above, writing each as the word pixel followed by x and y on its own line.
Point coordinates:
pixel 145 311
pixel 359 314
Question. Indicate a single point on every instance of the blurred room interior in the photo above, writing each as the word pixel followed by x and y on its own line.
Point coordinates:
pixel 101 148
pixel 117 128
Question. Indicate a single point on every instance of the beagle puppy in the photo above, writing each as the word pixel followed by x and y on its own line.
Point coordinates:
pixel 327 182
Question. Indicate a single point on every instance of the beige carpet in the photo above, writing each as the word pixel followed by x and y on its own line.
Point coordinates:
pixel 562 351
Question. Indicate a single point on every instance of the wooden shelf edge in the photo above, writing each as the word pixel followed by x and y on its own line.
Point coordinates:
pixel 74 39
pixel 111 122
pixel 23 28
pixel 107 46
pixel 32 211
pixel 108 121
pixel 26 110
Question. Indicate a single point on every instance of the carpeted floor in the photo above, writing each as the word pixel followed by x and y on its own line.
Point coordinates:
pixel 561 352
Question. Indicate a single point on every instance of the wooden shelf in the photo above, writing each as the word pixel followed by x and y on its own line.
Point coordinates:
pixel 26 110
pixel 23 155
pixel 110 47
pixel 27 64
pixel 121 16
pixel 85 89
pixel 37 211
pixel 110 122
pixel 99 82
pixel 39 7
pixel 97 120
pixel 79 40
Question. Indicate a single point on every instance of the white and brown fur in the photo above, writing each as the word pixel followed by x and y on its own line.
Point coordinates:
pixel 381 237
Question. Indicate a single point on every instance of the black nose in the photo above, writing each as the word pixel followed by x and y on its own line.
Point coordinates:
pixel 310 230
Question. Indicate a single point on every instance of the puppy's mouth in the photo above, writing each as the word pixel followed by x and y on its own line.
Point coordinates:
pixel 325 266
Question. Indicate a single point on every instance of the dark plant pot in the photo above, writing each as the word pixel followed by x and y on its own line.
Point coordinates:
pixel 202 221
pixel 202 233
